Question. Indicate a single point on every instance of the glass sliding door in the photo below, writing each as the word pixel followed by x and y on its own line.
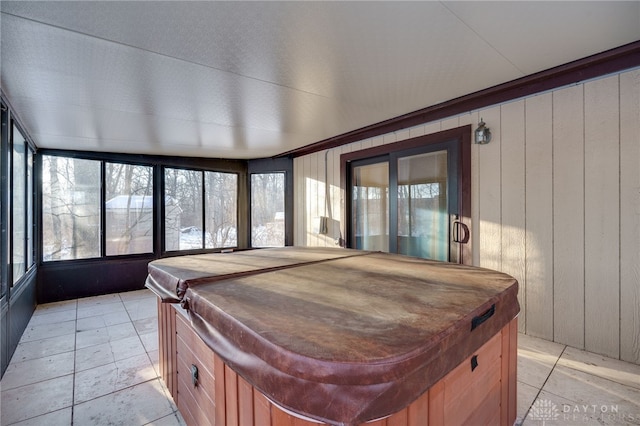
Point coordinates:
pixel 423 218
pixel 370 206
pixel 408 202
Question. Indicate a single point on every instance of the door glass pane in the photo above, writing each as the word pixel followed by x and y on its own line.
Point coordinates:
pixel 371 206
pixel 221 209
pixel 183 209
pixel 70 208
pixel 128 209
pixel 267 210
pixel 423 220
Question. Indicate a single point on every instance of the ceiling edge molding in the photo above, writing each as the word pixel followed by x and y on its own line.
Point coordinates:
pixel 600 64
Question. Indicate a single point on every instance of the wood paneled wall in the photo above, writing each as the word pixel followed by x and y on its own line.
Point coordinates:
pixel 555 203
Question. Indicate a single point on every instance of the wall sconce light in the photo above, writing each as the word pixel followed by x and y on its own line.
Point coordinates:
pixel 483 134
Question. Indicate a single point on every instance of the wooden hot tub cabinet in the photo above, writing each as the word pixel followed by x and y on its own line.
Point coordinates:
pixel 342 339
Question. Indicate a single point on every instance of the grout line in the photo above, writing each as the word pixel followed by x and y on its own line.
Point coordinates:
pixel 545 382
pixel 75 351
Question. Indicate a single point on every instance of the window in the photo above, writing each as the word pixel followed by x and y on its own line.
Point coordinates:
pixel 423 205
pixel 221 209
pixel 200 209
pixel 370 206
pixel 18 213
pixel 128 209
pixel 267 210
pixel 70 208
pixel 21 205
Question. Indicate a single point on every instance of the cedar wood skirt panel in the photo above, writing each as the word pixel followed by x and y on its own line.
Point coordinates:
pixel 484 395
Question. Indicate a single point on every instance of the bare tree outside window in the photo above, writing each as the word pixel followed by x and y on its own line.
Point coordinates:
pixel 221 209
pixel 267 210
pixel 183 209
pixel 128 209
pixel 185 226
pixel 70 208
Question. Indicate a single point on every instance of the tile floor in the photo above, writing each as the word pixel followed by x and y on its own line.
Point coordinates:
pixel 94 361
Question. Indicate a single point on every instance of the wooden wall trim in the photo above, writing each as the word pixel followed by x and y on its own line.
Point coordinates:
pixel 610 61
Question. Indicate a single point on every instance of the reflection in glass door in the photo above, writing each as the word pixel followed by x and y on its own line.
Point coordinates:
pixel 423 218
pixel 370 206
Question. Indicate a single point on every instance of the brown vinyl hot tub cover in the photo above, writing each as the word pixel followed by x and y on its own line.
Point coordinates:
pixel 170 278
pixel 351 339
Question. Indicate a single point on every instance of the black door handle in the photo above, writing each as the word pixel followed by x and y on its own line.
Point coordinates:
pixel 457 227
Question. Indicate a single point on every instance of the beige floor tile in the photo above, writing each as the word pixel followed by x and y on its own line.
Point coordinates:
pixel 137 405
pixel 154 356
pixel 98 300
pixel 180 418
pixel 536 359
pixel 99 321
pixel 45 331
pixel 85 339
pixel 170 420
pixel 601 366
pixel 44 347
pixel 48 308
pixel 34 400
pixel 56 418
pixel 121 331
pixel 539 345
pixel 109 308
pixel 526 396
pixel 53 317
pixel 150 341
pixel 167 395
pixel 37 370
pixel 138 294
pixel 146 325
pixel 141 308
pixel 100 381
pixel 109 352
pixel 593 396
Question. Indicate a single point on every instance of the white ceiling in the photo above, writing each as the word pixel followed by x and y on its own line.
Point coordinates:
pixel 255 79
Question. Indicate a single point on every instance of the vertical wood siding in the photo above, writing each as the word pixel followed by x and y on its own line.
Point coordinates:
pixel 568 215
pixel 512 166
pixel 602 216
pixel 555 203
pixel 630 216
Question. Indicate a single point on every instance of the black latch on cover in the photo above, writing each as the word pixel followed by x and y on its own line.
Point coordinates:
pixel 194 375
pixel 474 362
pixel 476 321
